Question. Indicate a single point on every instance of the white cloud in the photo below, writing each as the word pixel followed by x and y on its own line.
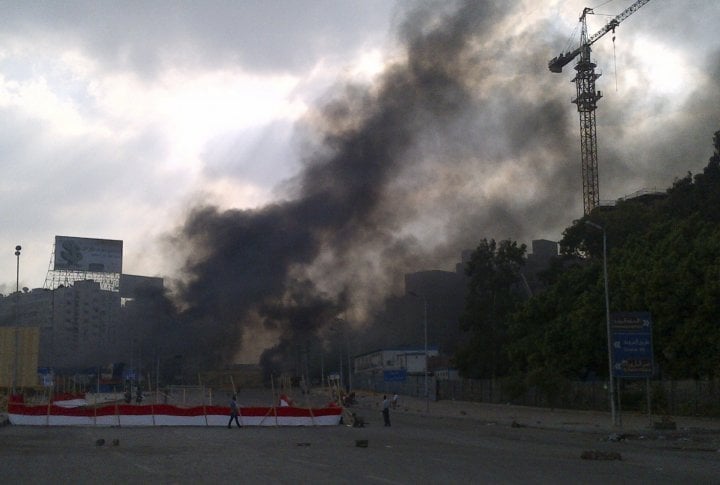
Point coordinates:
pixel 108 151
pixel 113 122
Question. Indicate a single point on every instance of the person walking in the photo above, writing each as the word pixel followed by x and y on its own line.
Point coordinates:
pixel 386 410
pixel 234 411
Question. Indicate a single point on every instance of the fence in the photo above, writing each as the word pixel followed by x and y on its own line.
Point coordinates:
pixel 687 397
pixel 413 385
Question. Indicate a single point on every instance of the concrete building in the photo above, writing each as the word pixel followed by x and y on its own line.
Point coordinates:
pixel 397 370
pixel 85 325
pixel 543 252
pixel 406 359
pixel 81 325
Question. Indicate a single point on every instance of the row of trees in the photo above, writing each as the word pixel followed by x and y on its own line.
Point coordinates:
pixel 663 257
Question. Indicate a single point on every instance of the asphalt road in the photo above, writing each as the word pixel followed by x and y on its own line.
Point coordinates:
pixel 417 449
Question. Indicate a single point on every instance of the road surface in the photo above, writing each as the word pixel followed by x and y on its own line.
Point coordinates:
pixel 417 449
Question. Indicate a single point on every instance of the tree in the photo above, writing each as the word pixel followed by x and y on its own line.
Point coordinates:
pixel 561 332
pixel 663 257
pixel 495 291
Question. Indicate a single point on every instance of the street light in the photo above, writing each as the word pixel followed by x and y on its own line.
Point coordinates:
pixel 17 280
pixel 345 325
pixel 607 321
pixel 425 305
pixel 17 302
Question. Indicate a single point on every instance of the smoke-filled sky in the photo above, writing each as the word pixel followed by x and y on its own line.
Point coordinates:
pixel 329 144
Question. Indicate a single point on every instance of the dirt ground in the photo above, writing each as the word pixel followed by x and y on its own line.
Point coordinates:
pixel 455 442
pixel 501 414
pixel 688 429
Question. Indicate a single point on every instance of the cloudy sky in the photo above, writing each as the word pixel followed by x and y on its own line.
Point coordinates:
pixel 121 118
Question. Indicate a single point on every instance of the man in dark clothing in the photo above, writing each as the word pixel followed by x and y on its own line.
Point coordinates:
pixel 386 410
pixel 234 411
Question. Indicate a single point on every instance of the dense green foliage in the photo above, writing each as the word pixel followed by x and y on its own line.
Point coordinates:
pixel 663 257
pixel 493 295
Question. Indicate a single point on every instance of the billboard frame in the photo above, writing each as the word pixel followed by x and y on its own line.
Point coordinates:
pixel 89 255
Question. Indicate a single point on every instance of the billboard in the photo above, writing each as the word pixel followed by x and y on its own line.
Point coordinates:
pixel 632 346
pixel 86 254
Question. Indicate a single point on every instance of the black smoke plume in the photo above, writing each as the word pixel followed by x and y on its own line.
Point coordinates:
pixel 465 135
pixel 403 152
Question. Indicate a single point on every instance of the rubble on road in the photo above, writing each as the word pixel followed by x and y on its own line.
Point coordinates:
pixel 600 455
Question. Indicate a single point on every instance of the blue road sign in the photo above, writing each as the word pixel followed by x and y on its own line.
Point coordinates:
pixel 632 347
pixel 395 375
pixel 46 376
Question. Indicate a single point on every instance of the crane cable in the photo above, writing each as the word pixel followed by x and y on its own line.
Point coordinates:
pixel 614 60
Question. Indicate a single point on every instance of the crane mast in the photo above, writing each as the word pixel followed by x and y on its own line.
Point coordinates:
pixel 587 97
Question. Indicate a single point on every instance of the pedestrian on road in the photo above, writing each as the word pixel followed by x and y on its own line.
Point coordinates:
pixel 234 411
pixel 386 410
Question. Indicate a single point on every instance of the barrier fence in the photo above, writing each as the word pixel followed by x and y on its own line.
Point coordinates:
pixel 664 397
pixel 686 397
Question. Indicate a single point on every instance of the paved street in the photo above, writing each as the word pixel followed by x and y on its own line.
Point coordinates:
pixel 417 449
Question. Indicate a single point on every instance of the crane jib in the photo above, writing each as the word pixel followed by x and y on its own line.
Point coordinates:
pixel 557 63
pixel 587 98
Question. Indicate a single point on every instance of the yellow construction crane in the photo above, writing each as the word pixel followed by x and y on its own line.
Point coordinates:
pixel 587 98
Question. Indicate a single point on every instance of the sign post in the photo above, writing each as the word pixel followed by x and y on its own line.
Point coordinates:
pixel 632 347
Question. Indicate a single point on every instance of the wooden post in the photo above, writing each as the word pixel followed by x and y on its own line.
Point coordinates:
pixel 312 416
pixel 649 401
pixel 157 381
pixel 202 389
pixel 117 413
pixel 266 415
pixel 232 381
pixel 272 384
pixel 619 404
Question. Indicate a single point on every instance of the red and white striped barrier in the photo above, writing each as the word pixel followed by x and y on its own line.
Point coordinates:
pixel 53 414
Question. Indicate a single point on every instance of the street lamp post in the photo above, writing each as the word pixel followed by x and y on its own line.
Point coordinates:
pixel 17 302
pixel 607 322
pixel 349 362
pixel 344 324
pixel 342 378
pixel 425 305
pixel 17 274
pixel 322 368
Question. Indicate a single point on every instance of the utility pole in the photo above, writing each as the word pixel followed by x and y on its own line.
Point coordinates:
pixel 607 323
pixel 425 367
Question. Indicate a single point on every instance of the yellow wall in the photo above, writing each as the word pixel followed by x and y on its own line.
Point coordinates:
pixel 27 342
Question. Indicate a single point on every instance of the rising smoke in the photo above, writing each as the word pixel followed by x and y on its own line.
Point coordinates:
pixel 407 172
pixel 464 136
